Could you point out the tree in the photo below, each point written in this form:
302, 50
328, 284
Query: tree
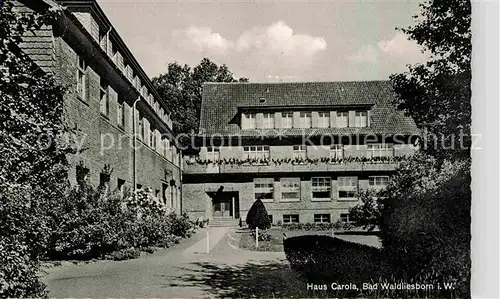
257, 216
32, 163
181, 87
437, 94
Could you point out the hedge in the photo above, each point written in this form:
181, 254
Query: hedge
322, 258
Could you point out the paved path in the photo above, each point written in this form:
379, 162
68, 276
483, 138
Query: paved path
183, 271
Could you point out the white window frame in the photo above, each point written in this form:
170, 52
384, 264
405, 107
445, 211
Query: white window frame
152, 138
104, 101
305, 119
290, 185
288, 218
299, 152
361, 119
342, 120
377, 150
258, 152
213, 153
263, 185
347, 184
346, 214
120, 113
321, 184
166, 149
286, 120
322, 218
323, 119
337, 151
248, 121
268, 120
378, 181
81, 78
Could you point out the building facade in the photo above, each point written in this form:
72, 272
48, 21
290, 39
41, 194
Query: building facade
110, 100
304, 149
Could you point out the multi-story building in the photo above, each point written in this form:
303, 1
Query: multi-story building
110, 100
304, 149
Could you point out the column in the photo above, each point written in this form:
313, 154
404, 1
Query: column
233, 206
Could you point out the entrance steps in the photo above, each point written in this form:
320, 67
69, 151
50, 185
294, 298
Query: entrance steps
224, 222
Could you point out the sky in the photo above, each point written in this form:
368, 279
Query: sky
271, 41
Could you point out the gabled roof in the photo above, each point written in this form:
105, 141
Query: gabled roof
223, 101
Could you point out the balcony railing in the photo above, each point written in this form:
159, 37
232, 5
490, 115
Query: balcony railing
200, 167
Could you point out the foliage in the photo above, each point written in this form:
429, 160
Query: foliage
257, 216
316, 226
93, 223
32, 158
426, 221
18, 262
181, 87
437, 94
263, 235
323, 259
424, 218
368, 214
123, 254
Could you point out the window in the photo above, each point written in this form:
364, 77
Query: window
157, 193
141, 127
270, 218
152, 138
322, 218
347, 188
104, 98
120, 185
305, 119
268, 121
342, 119
120, 113
291, 218
321, 187
361, 119
287, 120
290, 189
256, 152
166, 148
378, 182
144, 132
299, 152
337, 151
323, 119
263, 189
248, 121
344, 217
139, 187
81, 75
213, 153
104, 180
380, 150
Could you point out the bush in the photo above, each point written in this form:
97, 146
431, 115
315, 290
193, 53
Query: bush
263, 236
323, 259
426, 222
424, 218
317, 226
257, 216
124, 254
93, 223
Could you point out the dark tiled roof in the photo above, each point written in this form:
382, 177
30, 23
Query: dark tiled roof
221, 101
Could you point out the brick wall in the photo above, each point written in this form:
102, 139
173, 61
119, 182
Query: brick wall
55, 52
197, 203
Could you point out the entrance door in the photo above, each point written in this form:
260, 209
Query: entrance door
222, 208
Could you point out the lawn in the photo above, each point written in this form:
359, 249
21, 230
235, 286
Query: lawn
247, 241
